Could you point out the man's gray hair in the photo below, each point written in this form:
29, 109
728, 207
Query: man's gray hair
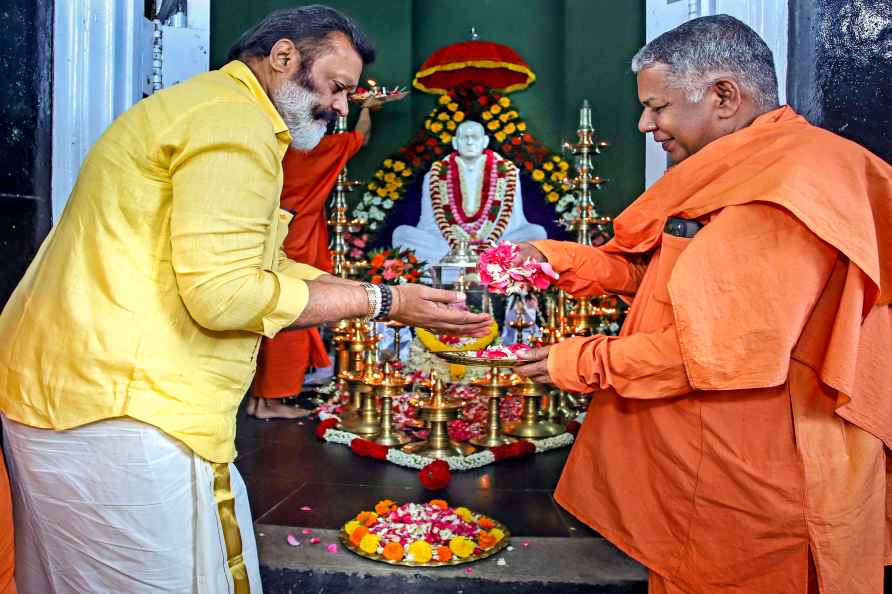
702, 50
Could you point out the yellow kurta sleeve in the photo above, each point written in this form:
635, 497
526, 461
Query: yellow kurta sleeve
586, 271
226, 183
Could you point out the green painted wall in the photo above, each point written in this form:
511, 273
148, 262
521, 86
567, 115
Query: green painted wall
577, 48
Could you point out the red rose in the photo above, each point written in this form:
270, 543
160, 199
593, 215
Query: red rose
435, 476
527, 137
324, 426
431, 142
416, 162
506, 147
438, 151
479, 89
528, 166
482, 100
419, 148
515, 140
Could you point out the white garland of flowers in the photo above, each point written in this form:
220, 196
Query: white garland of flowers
476, 460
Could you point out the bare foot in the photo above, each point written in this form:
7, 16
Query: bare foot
252, 406
271, 408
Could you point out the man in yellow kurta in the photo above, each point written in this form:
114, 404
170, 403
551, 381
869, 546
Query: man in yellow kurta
133, 336
738, 436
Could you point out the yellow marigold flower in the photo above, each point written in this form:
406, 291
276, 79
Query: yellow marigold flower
486, 115
512, 115
557, 176
462, 547
504, 102
563, 165
379, 174
369, 543
450, 125
398, 166
493, 125
504, 117
388, 162
501, 136
522, 126
421, 551
372, 185
406, 172
497, 534
548, 166
350, 526
381, 192
552, 196
547, 187
458, 116
556, 158
427, 123
390, 177
393, 195
444, 99
510, 128
436, 127
452, 106
495, 109
442, 116
445, 137
565, 187
538, 175
463, 513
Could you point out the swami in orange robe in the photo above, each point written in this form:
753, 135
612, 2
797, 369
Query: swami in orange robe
7, 546
737, 440
308, 181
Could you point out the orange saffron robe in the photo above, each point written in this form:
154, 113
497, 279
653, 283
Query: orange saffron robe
7, 546
742, 418
308, 181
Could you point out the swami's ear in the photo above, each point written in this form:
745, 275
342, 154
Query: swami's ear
727, 97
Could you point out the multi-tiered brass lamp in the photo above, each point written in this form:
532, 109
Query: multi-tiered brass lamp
438, 411
588, 221
493, 386
339, 222
392, 384
529, 426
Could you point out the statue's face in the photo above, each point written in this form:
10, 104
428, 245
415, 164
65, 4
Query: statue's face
470, 140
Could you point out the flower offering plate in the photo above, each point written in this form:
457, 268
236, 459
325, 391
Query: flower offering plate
431, 534
471, 358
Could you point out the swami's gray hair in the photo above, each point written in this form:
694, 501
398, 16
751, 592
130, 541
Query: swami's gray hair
703, 50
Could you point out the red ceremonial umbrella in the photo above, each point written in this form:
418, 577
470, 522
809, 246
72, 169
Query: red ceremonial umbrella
495, 65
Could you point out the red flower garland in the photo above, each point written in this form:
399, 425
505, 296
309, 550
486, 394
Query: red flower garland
324, 426
368, 449
435, 476
518, 449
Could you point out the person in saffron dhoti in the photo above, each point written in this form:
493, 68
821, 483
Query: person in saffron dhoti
137, 326
738, 434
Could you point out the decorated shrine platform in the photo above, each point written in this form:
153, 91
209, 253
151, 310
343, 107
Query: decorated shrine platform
297, 483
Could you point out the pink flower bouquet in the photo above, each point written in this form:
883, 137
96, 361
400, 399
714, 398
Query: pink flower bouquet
502, 351
500, 275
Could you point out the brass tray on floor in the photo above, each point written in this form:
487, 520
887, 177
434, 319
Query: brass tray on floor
463, 358
345, 541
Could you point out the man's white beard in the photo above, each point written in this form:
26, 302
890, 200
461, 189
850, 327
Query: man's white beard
295, 104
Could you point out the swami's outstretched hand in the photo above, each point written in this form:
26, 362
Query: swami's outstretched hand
436, 309
536, 364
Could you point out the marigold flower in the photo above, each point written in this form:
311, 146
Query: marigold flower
398, 165
464, 513
445, 137
493, 125
486, 523
495, 109
486, 540
504, 102
563, 165
369, 543
547, 166
389, 177
442, 116
444, 99
501, 136
436, 127
388, 162
458, 116
452, 106
510, 128
381, 192
368, 518
441, 503
421, 551
450, 125
497, 534
385, 506
486, 116
538, 175
379, 174
462, 547
552, 197
350, 526
393, 551
444, 554
358, 534
406, 173
522, 126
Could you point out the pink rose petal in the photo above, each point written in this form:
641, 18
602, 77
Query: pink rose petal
315, 540
332, 548
468, 570
292, 540
307, 531
525, 543
306, 508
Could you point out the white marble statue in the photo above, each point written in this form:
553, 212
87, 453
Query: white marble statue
472, 194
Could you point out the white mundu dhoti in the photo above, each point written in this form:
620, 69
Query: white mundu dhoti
118, 507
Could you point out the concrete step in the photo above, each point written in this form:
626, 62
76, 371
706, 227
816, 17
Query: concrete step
546, 565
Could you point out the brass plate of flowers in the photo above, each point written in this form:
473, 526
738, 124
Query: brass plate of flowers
461, 358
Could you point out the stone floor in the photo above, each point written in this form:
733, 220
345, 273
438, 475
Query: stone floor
286, 468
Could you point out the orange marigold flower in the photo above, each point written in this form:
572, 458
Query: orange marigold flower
486, 523
443, 554
385, 506
377, 279
378, 262
486, 540
357, 534
393, 551
441, 503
